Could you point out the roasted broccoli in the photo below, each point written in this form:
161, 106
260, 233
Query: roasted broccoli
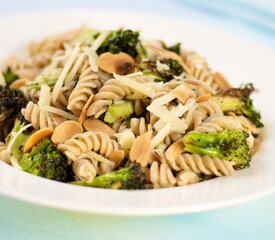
238, 100
46, 161
231, 145
119, 111
122, 41
11, 103
9, 76
175, 48
128, 177
163, 70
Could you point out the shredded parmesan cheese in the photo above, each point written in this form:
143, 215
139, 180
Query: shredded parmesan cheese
45, 96
100, 39
93, 57
168, 117
74, 70
164, 99
139, 87
60, 112
65, 71
162, 66
177, 111
161, 135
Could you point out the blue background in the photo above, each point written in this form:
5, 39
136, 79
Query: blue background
253, 220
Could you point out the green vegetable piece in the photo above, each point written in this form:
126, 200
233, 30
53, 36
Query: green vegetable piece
231, 145
16, 148
122, 41
11, 103
119, 111
238, 100
9, 76
128, 177
150, 68
175, 48
46, 161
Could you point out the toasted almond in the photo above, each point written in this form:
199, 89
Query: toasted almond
57, 119
19, 83
140, 150
174, 150
65, 131
120, 63
82, 115
97, 125
117, 156
221, 81
37, 137
203, 98
181, 95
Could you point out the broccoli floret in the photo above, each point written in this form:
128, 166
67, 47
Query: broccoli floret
46, 161
175, 48
173, 68
238, 100
231, 145
119, 111
11, 103
9, 76
128, 177
122, 41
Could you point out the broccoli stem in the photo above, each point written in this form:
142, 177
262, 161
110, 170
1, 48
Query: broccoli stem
209, 151
119, 111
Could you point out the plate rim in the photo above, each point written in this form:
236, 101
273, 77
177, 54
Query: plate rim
125, 211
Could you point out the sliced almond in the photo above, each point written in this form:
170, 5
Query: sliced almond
120, 63
140, 150
181, 95
57, 119
117, 156
37, 137
82, 115
19, 83
221, 81
97, 125
65, 131
174, 150
203, 98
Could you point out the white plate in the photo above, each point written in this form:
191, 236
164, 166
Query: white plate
239, 59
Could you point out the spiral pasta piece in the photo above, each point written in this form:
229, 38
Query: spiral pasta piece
84, 170
137, 125
111, 90
199, 69
88, 81
161, 176
88, 141
202, 164
4, 154
200, 112
86, 167
187, 177
37, 117
218, 124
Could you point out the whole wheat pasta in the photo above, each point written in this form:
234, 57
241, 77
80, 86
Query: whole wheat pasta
108, 109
